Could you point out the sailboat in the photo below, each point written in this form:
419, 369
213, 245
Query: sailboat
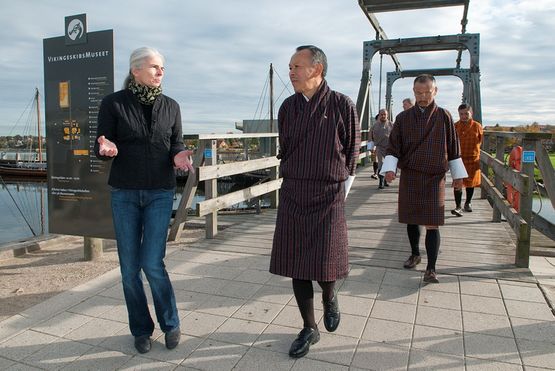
34, 166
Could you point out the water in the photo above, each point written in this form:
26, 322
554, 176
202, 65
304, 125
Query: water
23, 211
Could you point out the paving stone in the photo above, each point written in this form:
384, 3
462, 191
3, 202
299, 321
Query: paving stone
123, 342
99, 359
22, 367
333, 348
238, 331
141, 363
479, 287
175, 356
489, 365
362, 289
529, 310
491, 347
534, 329
254, 276
391, 332
447, 283
367, 274
95, 306
258, 311
399, 294
397, 277
206, 285
399, 312
438, 340
95, 331
201, 324
439, 299
439, 317
307, 364
277, 338
380, 356
274, 294
189, 300
483, 304
25, 344
351, 326
220, 305
536, 353
524, 293
13, 326
424, 360
57, 354
240, 290
488, 324
257, 359
5, 363
62, 323
355, 305
291, 317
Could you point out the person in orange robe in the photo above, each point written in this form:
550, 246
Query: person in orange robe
470, 134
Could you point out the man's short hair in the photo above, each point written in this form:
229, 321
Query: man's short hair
318, 56
465, 106
424, 78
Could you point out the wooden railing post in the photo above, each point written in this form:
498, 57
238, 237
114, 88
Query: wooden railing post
498, 181
211, 188
522, 258
274, 173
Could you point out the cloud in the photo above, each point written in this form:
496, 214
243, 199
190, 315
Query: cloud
218, 53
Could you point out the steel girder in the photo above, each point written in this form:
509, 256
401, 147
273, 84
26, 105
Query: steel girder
470, 42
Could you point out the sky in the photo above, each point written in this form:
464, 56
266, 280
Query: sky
218, 52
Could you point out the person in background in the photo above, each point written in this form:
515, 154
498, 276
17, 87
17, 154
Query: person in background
373, 156
407, 103
139, 129
319, 137
424, 145
470, 134
380, 136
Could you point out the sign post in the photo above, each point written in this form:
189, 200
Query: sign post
78, 73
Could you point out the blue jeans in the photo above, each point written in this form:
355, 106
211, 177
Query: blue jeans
141, 219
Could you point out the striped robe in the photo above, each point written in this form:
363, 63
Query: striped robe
319, 145
424, 142
470, 137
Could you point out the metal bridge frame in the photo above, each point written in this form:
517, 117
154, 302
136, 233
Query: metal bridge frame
471, 42
470, 77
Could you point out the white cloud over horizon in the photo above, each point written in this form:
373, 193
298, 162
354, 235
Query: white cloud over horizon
218, 53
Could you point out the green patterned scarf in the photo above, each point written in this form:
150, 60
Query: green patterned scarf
145, 94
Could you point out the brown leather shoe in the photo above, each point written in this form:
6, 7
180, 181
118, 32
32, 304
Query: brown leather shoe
412, 261
430, 276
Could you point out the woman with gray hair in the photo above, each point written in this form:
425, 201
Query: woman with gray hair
139, 129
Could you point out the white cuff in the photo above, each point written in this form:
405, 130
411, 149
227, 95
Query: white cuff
458, 171
389, 164
370, 146
348, 183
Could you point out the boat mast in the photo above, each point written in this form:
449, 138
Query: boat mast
271, 98
38, 123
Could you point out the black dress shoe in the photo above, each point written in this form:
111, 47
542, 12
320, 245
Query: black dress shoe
172, 338
304, 340
331, 314
142, 343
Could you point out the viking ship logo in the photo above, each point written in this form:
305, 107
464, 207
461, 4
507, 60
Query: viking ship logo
75, 29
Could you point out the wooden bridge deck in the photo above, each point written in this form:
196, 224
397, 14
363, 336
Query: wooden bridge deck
470, 245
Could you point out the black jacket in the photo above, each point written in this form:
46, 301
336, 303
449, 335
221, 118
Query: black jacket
145, 150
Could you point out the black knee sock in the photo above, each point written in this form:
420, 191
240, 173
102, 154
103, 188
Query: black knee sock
432, 247
413, 231
304, 294
375, 167
381, 177
469, 194
328, 290
458, 197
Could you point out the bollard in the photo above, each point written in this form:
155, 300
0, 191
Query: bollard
93, 248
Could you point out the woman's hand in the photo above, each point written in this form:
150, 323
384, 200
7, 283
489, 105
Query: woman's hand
107, 148
183, 161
